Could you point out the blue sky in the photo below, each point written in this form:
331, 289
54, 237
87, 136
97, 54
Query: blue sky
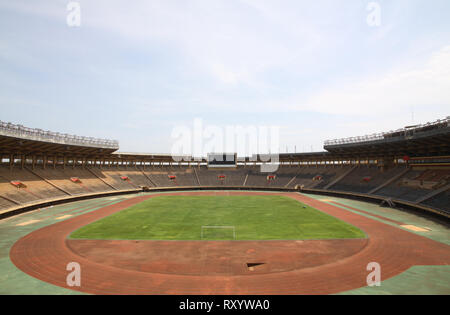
134, 70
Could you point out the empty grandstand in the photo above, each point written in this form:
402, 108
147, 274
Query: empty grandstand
410, 166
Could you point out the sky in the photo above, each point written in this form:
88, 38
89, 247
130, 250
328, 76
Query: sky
135, 71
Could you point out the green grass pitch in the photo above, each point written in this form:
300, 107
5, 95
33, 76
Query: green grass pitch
253, 217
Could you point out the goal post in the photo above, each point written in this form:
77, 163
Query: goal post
216, 232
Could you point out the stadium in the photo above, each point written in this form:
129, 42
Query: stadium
224, 155
317, 223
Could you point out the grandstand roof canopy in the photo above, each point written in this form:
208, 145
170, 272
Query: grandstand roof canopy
19, 146
17, 139
421, 140
417, 141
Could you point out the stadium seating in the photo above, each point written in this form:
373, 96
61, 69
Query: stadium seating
398, 183
233, 177
112, 178
160, 176
316, 176
400, 190
440, 201
364, 178
62, 178
36, 188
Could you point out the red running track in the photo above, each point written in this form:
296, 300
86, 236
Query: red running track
45, 253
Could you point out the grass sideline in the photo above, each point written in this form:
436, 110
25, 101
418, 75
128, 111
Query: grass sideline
254, 218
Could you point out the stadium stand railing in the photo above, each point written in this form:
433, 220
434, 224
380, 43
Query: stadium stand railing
19, 131
403, 132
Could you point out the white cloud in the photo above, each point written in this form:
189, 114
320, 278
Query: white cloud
421, 87
232, 41
240, 57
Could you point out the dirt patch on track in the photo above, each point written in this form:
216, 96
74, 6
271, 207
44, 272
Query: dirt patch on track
209, 258
45, 253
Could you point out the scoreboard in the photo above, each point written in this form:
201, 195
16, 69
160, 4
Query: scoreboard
219, 160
